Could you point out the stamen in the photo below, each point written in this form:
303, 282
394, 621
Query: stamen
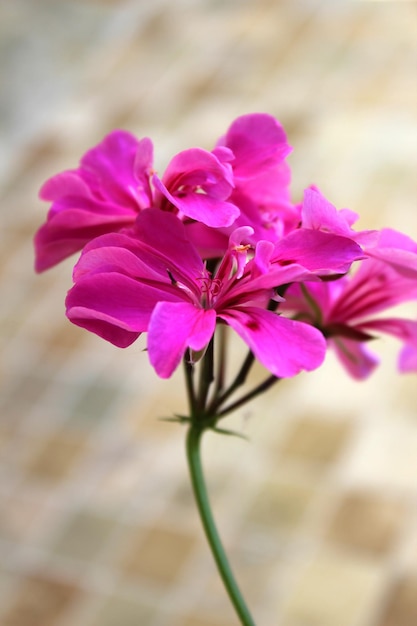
172, 279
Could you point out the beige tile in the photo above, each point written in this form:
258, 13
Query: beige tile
23, 515
157, 554
280, 504
315, 440
368, 522
57, 457
384, 456
119, 611
196, 620
401, 609
41, 602
84, 536
333, 590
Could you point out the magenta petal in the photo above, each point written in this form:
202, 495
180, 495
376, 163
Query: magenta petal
115, 307
66, 232
403, 329
108, 168
355, 356
199, 168
65, 184
319, 252
397, 250
319, 214
173, 328
201, 207
283, 346
258, 142
407, 361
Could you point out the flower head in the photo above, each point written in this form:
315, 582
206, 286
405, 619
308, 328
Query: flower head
348, 310
114, 183
156, 282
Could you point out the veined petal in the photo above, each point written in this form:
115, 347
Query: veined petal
64, 184
201, 207
258, 142
68, 231
403, 329
174, 327
102, 195
109, 167
319, 252
115, 307
397, 250
355, 356
283, 346
319, 214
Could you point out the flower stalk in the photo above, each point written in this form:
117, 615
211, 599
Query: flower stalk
193, 447
202, 419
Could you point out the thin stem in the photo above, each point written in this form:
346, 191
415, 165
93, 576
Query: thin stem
266, 384
238, 381
203, 504
206, 375
189, 382
221, 360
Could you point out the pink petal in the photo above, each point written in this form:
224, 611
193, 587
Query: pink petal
403, 329
283, 346
68, 231
164, 236
201, 206
407, 361
109, 166
319, 214
397, 250
114, 306
323, 253
258, 142
64, 184
173, 328
357, 360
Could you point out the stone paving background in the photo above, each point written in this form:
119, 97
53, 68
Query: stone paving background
319, 509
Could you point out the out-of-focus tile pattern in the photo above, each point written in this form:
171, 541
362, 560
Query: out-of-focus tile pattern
319, 509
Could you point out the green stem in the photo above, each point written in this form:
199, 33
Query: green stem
238, 381
206, 376
266, 384
189, 382
200, 493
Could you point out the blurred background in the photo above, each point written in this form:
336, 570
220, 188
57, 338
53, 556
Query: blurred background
318, 510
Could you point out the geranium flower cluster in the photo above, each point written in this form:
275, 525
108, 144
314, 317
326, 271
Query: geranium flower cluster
216, 240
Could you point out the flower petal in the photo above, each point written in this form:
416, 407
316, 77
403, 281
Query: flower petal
355, 356
407, 361
319, 214
200, 206
397, 250
173, 328
323, 253
258, 142
283, 346
115, 307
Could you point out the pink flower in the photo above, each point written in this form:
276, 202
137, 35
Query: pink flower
198, 184
347, 311
261, 175
113, 184
156, 282
318, 213
396, 249
102, 195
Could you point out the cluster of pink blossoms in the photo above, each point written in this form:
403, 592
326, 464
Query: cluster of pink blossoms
217, 240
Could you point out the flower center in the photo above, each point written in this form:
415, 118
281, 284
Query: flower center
210, 289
